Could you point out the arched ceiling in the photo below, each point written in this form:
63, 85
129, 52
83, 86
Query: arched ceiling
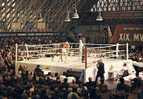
54, 12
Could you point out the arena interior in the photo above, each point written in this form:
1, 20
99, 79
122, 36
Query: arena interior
71, 49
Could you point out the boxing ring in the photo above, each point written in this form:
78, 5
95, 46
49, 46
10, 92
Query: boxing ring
75, 56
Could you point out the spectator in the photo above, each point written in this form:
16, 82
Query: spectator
104, 92
133, 94
124, 70
38, 72
122, 89
73, 94
140, 96
136, 82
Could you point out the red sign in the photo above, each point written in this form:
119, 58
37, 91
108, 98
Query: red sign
126, 14
128, 33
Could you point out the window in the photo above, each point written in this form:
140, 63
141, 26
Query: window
117, 5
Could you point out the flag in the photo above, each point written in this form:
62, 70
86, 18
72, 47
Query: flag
109, 31
109, 34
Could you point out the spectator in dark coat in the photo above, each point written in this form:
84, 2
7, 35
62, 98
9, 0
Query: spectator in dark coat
100, 72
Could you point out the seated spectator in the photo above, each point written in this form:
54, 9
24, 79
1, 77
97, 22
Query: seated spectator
133, 94
136, 82
91, 89
90, 83
65, 84
140, 95
121, 86
73, 94
38, 72
104, 92
124, 70
122, 89
84, 92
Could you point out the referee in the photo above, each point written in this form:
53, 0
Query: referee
100, 72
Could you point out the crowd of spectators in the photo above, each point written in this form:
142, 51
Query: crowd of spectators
50, 86
136, 53
137, 56
27, 85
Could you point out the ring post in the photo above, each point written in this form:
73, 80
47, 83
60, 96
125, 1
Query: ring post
117, 50
127, 51
16, 47
27, 52
85, 52
85, 60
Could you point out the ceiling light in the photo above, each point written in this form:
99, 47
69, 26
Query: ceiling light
75, 16
67, 19
99, 17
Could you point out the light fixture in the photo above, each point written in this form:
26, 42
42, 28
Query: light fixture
99, 17
75, 16
97, 8
67, 19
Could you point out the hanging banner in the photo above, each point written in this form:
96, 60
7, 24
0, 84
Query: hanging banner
128, 33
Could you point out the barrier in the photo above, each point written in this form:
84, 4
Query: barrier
82, 51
